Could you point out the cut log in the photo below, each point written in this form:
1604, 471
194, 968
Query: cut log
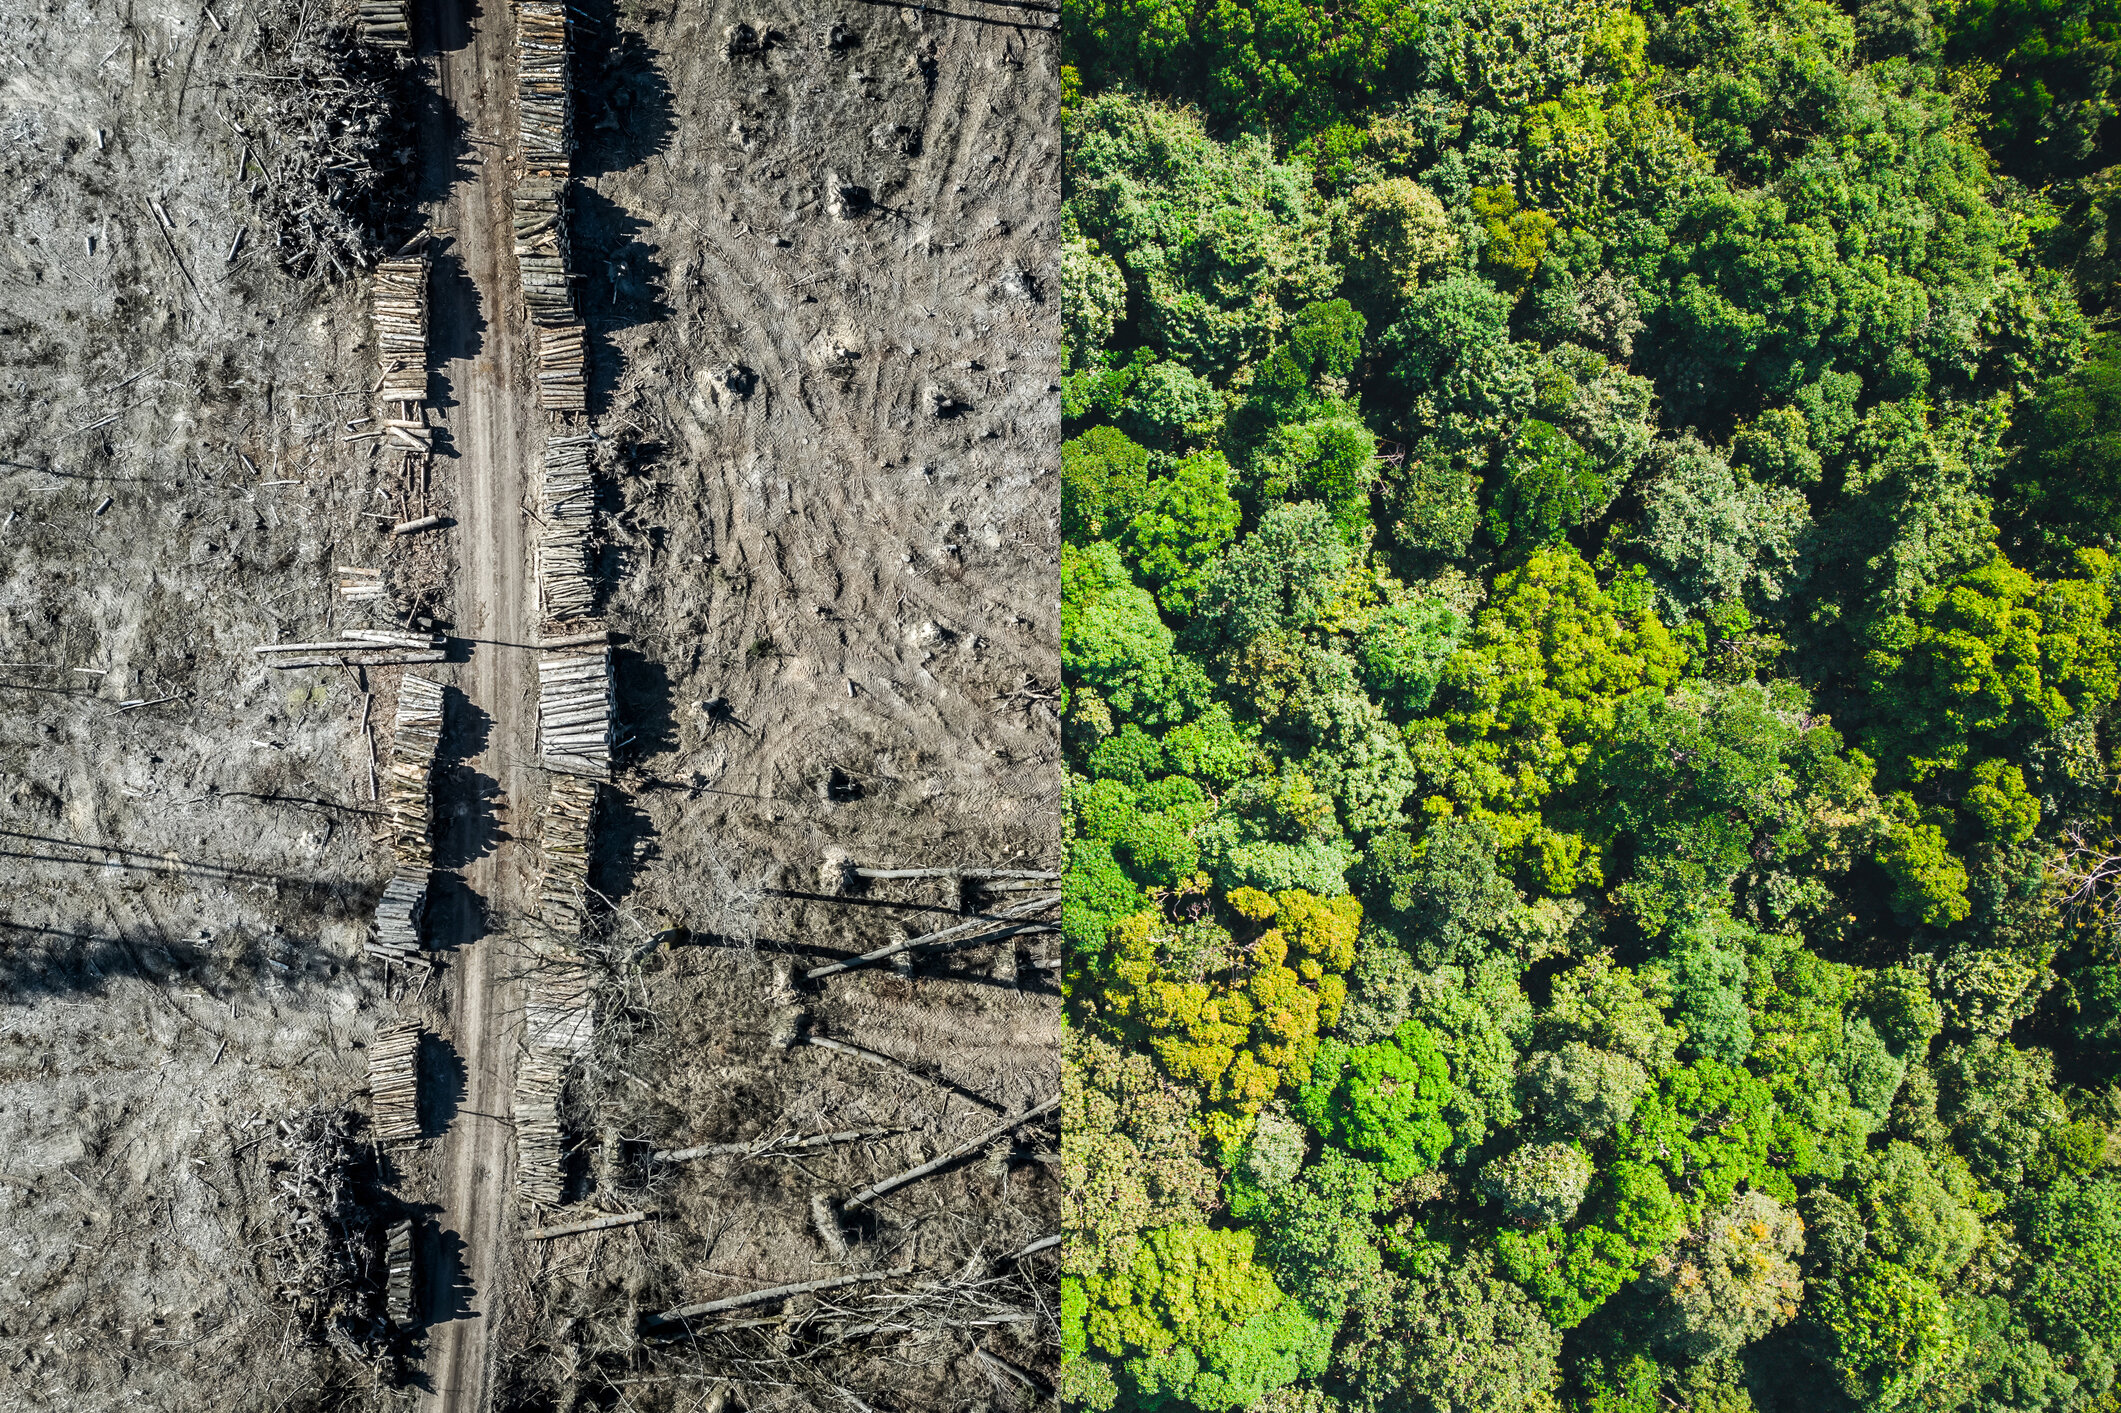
623, 1219
1002, 915
958, 1154
778, 1292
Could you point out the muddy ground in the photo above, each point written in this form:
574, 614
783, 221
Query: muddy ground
821, 292
821, 244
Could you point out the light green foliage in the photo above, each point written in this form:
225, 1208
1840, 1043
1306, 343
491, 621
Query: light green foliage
1920, 1213
1583, 1092
1987, 989
1481, 1021
1516, 238
1889, 1330
1185, 1285
1713, 536
1929, 881
1708, 979
1113, 641
1997, 1103
1607, 1006
1392, 234
1451, 359
1992, 657
1330, 459
1403, 645
1537, 1183
1461, 1337
1104, 479
1219, 243
1730, 1279
1093, 298
1384, 1101
1998, 800
1129, 1155
1281, 577
1528, 699
1185, 518
1900, 1006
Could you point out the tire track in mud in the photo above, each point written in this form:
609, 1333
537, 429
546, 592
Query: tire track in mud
489, 422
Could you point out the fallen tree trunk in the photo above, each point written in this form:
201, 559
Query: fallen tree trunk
772, 1145
778, 1292
958, 1154
623, 1219
1010, 913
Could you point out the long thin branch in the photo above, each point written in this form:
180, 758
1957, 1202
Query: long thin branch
765, 1147
1008, 914
777, 1292
962, 1151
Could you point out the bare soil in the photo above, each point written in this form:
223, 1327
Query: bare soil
825, 322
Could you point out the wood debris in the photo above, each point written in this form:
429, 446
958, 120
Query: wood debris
562, 557
563, 368
576, 712
409, 792
398, 1275
394, 1084
359, 584
400, 315
387, 24
559, 1008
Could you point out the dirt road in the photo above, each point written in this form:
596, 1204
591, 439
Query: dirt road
492, 428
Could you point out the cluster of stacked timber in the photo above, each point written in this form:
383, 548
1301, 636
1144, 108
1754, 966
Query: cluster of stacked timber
355, 647
394, 1084
563, 890
559, 1011
358, 584
401, 329
545, 131
410, 785
540, 218
567, 508
545, 105
397, 1274
387, 24
563, 368
576, 711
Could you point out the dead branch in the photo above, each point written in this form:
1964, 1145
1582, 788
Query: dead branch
1008, 914
958, 1154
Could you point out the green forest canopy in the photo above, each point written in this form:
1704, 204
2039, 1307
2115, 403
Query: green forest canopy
1592, 648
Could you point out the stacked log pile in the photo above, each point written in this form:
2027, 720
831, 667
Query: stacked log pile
559, 1012
358, 584
545, 133
401, 330
545, 106
563, 889
563, 368
397, 1275
541, 1159
394, 1084
387, 24
567, 508
540, 219
575, 712
398, 916
410, 784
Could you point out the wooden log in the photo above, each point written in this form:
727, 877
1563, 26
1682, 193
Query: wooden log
414, 527
778, 1292
1002, 915
952, 873
956, 1155
623, 1219
805, 1141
